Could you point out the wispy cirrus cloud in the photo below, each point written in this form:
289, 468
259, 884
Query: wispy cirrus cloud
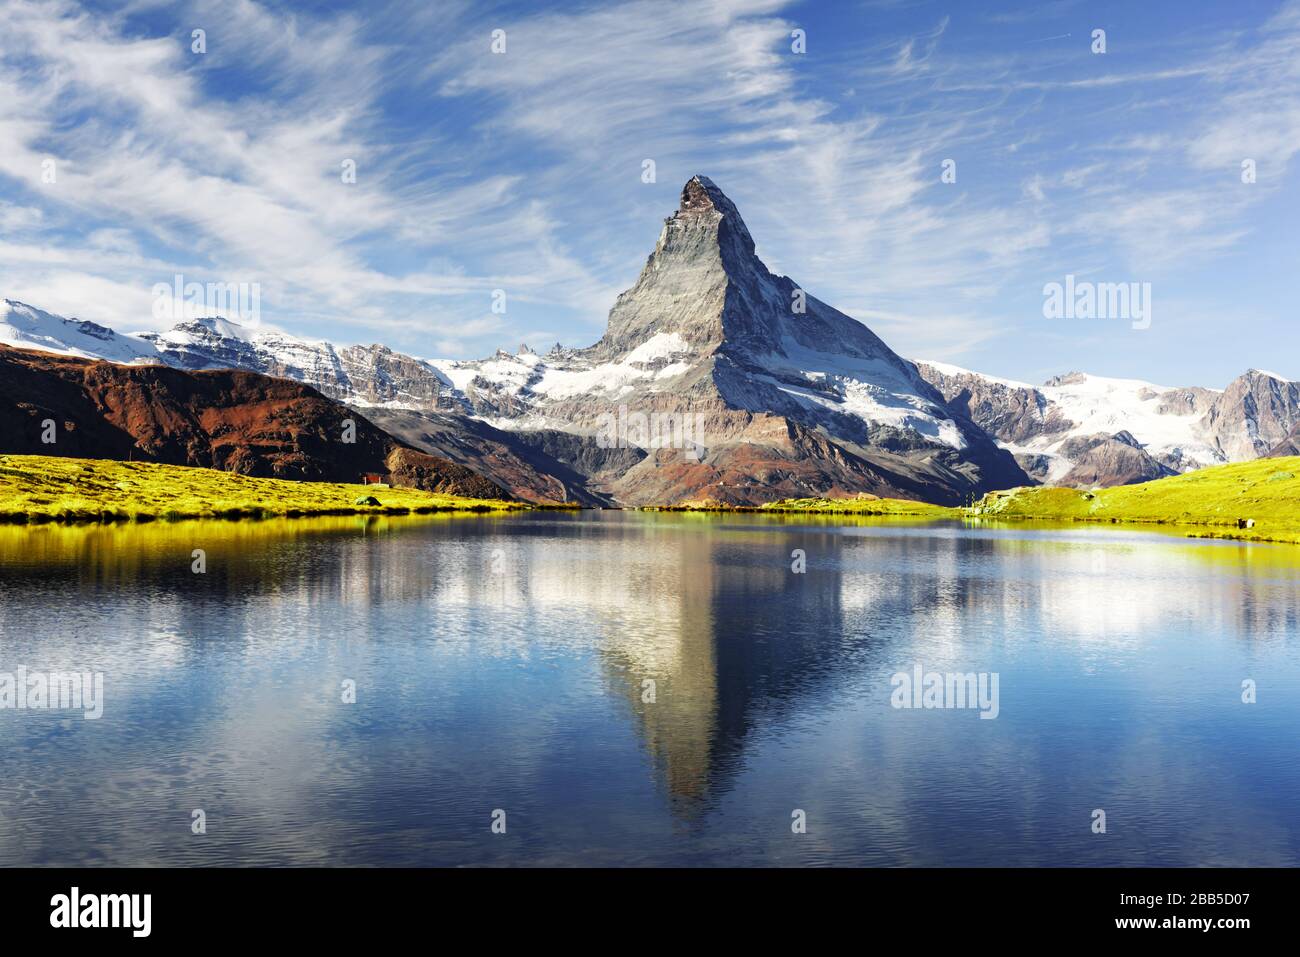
222, 186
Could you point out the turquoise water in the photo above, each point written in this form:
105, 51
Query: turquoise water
501, 664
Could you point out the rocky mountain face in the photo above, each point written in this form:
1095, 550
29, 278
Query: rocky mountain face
227, 419
1256, 412
1105, 460
1014, 413
1056, 430
784, 395
536, 466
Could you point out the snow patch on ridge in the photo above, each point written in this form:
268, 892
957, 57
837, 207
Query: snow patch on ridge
663, 345
952, 370
1271, 375
873, 390
530, 375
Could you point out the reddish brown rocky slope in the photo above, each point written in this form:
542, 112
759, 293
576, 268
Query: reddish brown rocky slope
225, 419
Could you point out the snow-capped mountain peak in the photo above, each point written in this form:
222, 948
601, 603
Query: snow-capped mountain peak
1267, 374
208, 327
27, 327
707, 329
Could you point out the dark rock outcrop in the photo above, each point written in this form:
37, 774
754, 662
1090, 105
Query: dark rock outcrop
228, 419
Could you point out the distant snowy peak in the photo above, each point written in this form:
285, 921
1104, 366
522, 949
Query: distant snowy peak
26, 327
1180, 428
947, 369
208, 329
1162, 419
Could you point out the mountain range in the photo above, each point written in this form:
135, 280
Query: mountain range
1083, 430
763, 392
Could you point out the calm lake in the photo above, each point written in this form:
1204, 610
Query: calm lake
641, 688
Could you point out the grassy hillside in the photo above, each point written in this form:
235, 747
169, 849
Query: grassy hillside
36, 488
1257, 500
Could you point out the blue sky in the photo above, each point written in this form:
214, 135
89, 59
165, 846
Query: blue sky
522, 171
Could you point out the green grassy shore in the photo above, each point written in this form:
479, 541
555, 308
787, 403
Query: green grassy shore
1254, 501
1251, 501
43, 488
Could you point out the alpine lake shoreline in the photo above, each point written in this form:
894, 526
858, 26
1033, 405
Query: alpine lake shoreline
1257, 501
39, 489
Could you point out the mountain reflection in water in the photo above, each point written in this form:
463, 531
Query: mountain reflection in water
647, 688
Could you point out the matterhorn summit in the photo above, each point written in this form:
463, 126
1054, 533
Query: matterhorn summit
795, 398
